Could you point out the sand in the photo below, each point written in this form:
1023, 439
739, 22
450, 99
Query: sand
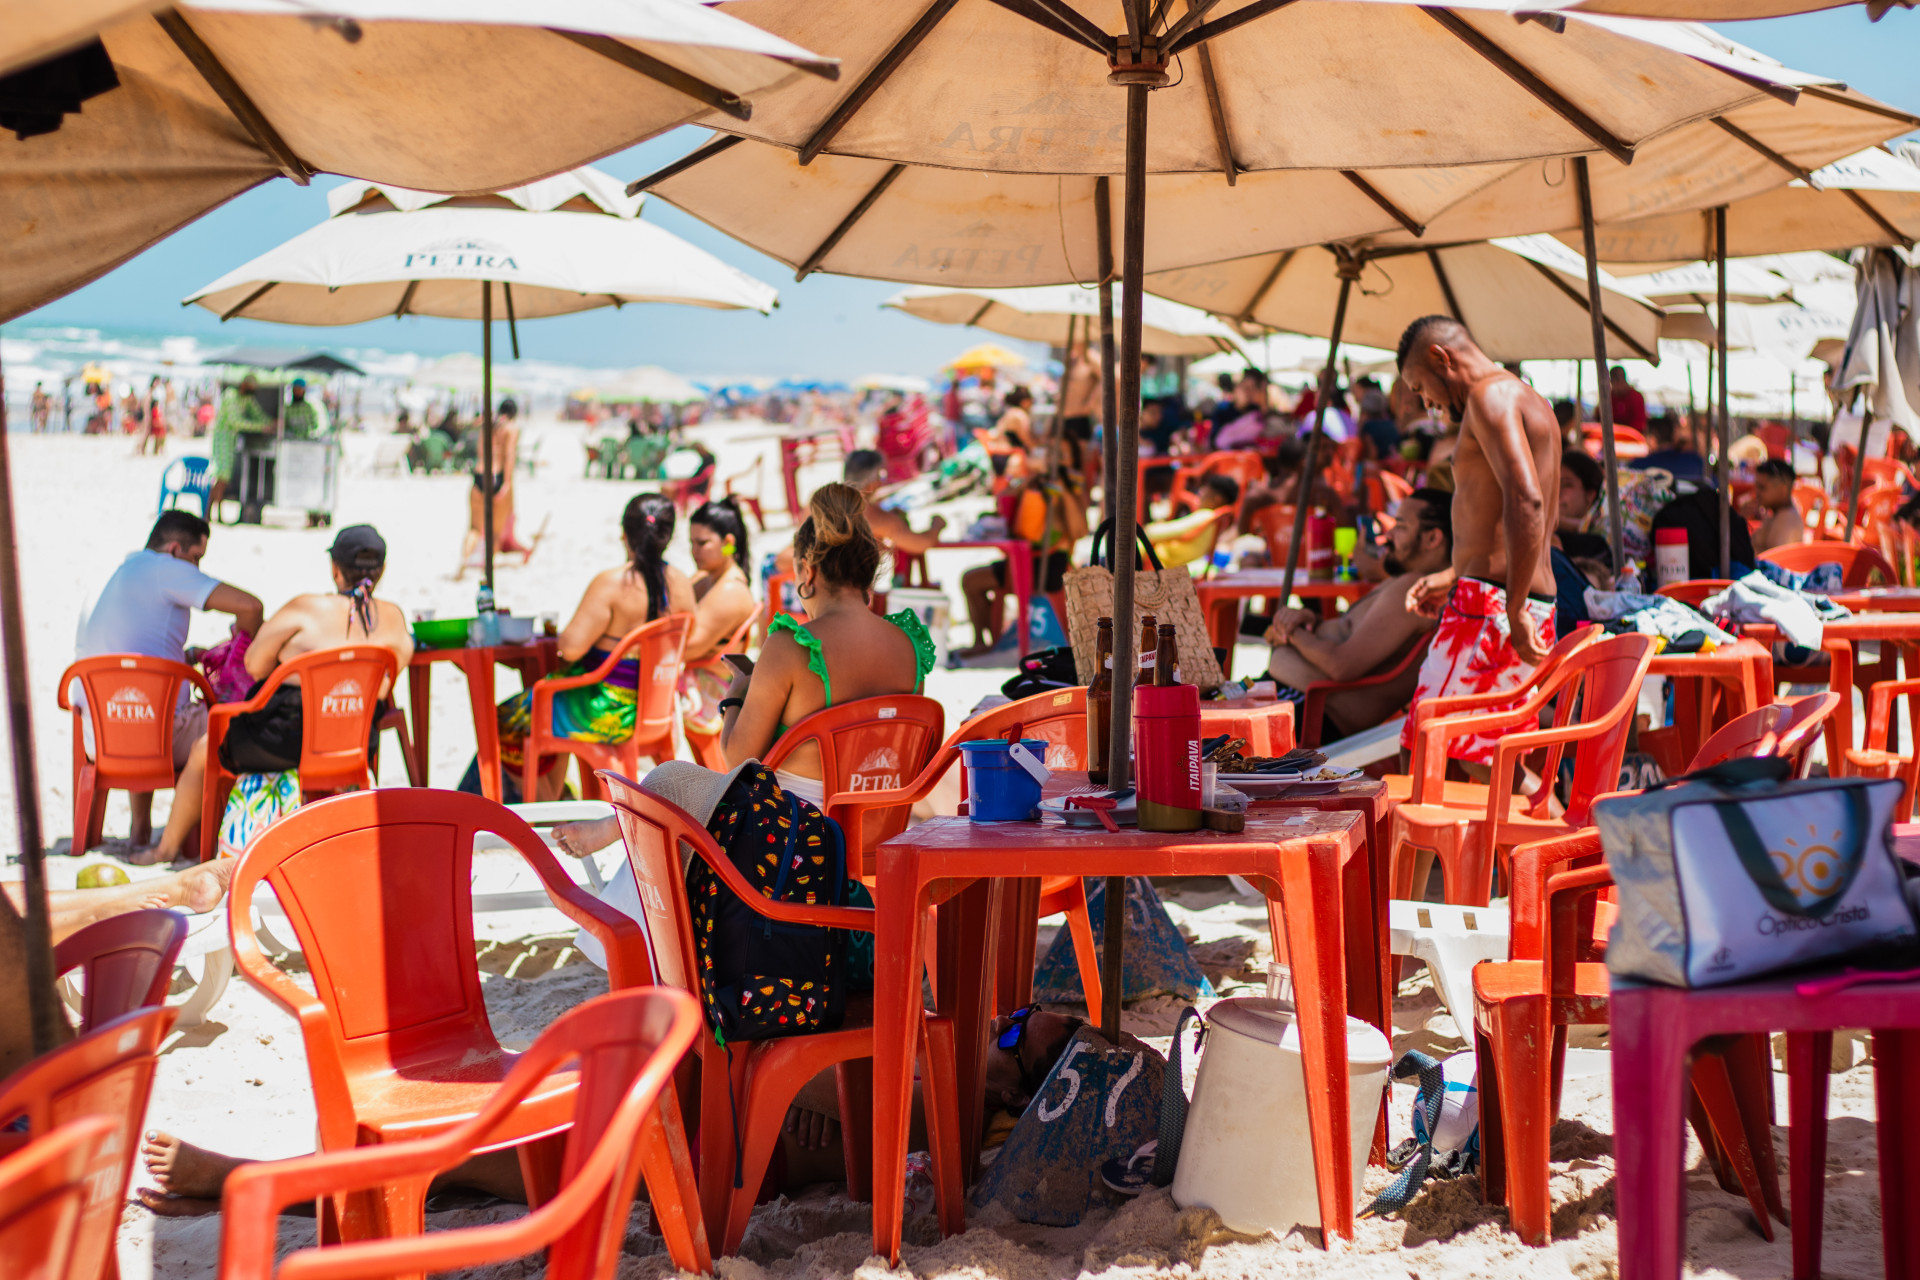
239, 1083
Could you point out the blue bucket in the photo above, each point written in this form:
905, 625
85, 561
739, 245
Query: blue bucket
998, 789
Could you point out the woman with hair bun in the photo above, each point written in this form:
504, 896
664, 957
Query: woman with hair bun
644, 589
842, 652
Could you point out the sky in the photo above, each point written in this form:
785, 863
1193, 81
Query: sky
825, 327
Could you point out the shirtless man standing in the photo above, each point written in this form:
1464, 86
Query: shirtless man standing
1497, 620
1080, 396
269, 739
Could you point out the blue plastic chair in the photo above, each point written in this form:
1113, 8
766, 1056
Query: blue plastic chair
196, 483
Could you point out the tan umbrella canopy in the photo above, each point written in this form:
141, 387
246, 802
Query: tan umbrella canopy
1871, 198
1523, 299
939, 226
213, 99
1270, 84
1696, 283
1054, 313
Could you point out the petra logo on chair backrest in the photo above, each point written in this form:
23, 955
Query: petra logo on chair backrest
879, 771
129, 705
346, 698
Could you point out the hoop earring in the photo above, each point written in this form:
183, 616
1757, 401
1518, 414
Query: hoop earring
805, 590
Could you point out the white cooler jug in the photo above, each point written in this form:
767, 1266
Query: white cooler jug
1248, 1152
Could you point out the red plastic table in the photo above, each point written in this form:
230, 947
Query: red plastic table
1295, 855
1880, 600
1019, 554
1838, 640
1266, 724
1220, 597
1742, 671
532, 660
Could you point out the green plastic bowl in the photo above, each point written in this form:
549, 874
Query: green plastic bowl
441, 633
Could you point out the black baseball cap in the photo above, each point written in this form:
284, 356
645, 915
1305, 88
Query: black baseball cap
359, 546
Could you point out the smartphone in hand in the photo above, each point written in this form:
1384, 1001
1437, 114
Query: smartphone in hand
739, 662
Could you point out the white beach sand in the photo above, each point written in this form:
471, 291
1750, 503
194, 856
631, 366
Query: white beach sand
239, 1084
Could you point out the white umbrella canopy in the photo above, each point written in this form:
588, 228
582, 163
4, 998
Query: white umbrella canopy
375, 260
954, 227
644, 384
215, 98
1522, 299
1868, 198
1052, 313
1307, 84
1698, 283
1726, 10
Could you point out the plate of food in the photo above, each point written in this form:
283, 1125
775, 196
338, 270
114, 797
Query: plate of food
1320, 781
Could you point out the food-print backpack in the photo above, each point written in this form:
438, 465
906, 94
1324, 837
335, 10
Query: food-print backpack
761, 978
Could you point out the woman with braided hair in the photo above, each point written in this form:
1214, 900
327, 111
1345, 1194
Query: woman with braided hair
263, 747
644, 589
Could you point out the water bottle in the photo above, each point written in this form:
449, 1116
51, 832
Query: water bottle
486, 622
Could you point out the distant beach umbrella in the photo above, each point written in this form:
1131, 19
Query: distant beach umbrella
1053, 314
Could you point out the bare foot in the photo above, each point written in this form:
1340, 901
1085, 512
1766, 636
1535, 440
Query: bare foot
147, 857
201, 887
184, 1170
582, 839
166, 1206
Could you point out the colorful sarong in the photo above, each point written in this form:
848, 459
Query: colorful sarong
258, 800
1472, 652
602, 712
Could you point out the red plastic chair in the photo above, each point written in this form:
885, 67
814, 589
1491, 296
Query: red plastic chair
130, 700
377, 887
1857, 564
1787, 728
108, 1072
706, 746
661, 645
125, 963
624, 1048
1404, 788
1557, 978
747, 1088
1313, 710
691, 492
870, 749
1874, 760
1628, 442
1244, 465
1694, 590
1604, 678
339, 694
44, 1189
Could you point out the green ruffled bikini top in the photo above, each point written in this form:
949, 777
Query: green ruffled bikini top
907, 620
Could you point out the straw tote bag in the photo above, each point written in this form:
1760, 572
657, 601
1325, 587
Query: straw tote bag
1167, 594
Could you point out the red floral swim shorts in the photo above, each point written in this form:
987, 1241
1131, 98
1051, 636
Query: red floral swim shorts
1472, 652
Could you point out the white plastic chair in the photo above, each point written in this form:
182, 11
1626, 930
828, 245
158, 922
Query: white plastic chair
1451, 940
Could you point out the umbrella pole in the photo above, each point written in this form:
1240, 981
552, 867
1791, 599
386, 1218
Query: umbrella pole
1109, 392
1602, 398
486, 429
1126, 467
1349, 272
37, 936
1726, 421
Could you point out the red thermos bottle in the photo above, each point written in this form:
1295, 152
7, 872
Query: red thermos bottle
1167, 748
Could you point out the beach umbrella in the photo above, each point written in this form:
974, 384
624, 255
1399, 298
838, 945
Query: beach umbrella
1881, 361
571, 243
1527, 298
987, 355
1269, 84
1697, 283
182, 108
648, 384
1054, 313
1728, 10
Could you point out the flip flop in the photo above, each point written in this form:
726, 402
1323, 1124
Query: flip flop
1133, 1175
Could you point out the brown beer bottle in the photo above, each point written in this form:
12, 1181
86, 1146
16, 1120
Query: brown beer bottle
1100, 704
1166, 659
1149, 643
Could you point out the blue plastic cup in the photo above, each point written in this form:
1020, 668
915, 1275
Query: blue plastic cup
998, 789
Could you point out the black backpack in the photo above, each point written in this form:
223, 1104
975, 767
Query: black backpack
1699, 514
760, 978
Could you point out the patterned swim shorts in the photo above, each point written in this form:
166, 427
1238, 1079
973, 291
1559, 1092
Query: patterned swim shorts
1472, 652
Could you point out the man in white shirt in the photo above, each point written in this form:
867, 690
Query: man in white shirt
146, 607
